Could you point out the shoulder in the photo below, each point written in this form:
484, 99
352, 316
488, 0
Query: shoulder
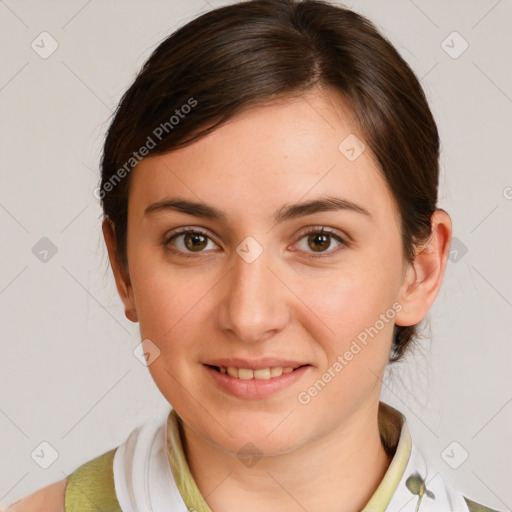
89, 487
48, 499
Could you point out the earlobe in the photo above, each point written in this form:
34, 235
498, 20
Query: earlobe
424, 276
122, 278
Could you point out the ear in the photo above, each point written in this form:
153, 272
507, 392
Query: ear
424, 276
123, 284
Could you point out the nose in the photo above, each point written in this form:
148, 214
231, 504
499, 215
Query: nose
255, 300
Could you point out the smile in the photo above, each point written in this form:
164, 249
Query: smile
255, 383
249, 373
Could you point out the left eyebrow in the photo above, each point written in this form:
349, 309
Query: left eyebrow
284, 213
327, 204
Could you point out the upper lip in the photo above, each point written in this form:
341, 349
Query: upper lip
255, 364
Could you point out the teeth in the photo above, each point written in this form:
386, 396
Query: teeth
245, 373
233, 372
276, 372
260, 374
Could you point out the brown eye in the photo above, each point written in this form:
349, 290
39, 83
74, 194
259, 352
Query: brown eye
195, 241
189, 240
319, 241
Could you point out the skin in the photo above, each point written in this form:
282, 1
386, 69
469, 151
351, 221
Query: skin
326, 455
47, 499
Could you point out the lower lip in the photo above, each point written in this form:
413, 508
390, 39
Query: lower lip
256, 388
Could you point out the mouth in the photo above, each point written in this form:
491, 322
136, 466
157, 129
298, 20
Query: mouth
254, 379
269, 373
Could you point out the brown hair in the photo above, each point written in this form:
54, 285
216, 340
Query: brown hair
239, 56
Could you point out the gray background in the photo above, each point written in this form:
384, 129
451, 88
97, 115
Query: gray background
68, 373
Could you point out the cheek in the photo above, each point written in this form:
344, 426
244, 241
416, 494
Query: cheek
170, 310
348, 300
166, 299
351, 325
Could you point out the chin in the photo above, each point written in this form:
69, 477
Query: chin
258, 445
273, 435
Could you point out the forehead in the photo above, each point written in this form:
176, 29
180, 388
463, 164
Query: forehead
290, 150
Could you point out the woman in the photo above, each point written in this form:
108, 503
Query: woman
269, 184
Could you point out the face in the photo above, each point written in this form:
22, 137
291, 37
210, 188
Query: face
259, 286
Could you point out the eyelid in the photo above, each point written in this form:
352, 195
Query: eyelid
323, 229
188, 229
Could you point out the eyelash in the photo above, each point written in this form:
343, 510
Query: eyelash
316, 230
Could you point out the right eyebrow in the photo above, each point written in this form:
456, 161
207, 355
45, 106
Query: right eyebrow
188, 207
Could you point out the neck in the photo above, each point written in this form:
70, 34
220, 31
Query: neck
337, 472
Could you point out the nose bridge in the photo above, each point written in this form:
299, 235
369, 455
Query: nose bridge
254, 304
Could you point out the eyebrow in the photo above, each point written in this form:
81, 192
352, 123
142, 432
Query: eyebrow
286, 212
